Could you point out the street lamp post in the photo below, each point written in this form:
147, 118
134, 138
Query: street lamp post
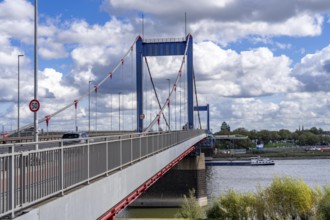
169, 111
110, 112
96, 109
119, 111
18, 131
36, 138
89, 106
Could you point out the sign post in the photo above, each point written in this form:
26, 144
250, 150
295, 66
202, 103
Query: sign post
34, 105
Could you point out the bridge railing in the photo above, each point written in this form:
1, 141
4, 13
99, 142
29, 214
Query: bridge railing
33, 172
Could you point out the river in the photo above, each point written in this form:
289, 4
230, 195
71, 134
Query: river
247, 178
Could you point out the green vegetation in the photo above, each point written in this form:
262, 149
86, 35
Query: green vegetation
232, 205
281, 138
323, 209
190, 208
284, 198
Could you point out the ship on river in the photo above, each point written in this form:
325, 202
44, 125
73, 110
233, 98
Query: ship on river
254, 161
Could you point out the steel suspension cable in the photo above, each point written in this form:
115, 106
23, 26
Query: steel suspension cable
173, 88
132, 97
185, 119
199, 119
154, 88
175, 103
86, 94
180, 100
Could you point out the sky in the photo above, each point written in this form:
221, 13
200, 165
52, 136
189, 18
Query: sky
258, 64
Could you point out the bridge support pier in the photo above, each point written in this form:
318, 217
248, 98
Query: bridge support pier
169, 190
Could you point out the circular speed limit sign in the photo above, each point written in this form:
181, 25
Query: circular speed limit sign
34, 105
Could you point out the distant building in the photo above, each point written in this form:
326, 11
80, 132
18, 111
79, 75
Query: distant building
260, 146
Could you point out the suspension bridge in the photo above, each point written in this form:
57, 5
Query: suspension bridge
99, 176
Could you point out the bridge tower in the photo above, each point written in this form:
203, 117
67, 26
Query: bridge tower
207, 109
164, 47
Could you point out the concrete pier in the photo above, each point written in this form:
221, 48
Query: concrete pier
169, 191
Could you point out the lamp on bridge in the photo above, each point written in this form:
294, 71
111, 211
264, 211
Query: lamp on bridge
18, 131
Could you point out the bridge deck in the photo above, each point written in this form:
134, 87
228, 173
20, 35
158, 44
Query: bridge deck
30, 177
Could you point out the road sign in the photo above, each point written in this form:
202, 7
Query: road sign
34, 105
142, 116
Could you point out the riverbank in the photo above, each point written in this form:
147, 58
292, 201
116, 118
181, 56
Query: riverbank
280, 155
149, 218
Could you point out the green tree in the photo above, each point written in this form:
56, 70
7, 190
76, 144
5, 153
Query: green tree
190, 208
274, 136
215, 211
285, 134
324, 140
289, 198
320, 131
314, 130
295, 136
241, 131
259, 204
308, 138
323, 209
232, 205
302, 139
247, 143
265, 136
253, 135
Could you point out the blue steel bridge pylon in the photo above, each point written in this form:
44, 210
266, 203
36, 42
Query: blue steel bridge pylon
164, 47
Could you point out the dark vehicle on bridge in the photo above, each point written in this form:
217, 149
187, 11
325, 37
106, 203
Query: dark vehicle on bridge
75, 138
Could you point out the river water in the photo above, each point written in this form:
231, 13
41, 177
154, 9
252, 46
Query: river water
247, 178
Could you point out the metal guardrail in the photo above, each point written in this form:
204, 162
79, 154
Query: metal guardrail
55, 136
29, 176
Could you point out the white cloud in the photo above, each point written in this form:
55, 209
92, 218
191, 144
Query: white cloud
95, 35
164, 8
226, 32
226, 22
8, 56
96, 55
16, 19
293, 110
256, 73
18, 9
51, 82
52, 50
314, 70
251, 73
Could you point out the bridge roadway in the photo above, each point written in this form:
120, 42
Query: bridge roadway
85, 180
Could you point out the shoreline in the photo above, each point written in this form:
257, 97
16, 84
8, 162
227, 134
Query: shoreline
275, 156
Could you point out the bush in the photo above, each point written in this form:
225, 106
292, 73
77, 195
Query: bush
288, 198
323, 209
285, 198
215, 211
190, 208
232, 205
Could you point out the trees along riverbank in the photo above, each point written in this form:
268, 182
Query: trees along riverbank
284, 198
283, 137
